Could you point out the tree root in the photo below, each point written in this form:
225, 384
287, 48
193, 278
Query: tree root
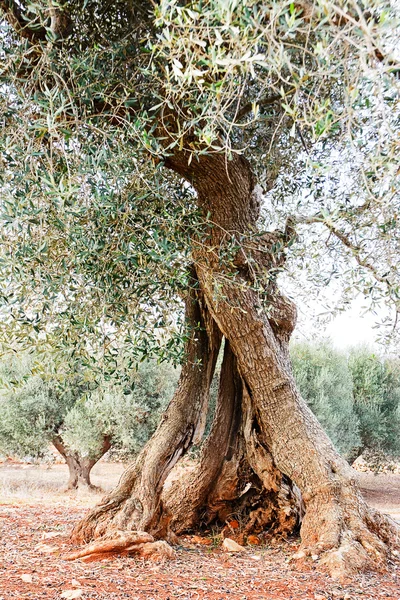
135, 503
347, 535
236, 476
139, 543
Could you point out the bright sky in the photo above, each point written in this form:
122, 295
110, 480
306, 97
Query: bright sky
350, 328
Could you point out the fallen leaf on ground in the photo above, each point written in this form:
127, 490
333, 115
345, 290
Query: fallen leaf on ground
46, 548
196, 539
253, 540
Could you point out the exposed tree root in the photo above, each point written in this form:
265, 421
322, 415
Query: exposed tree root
236, 476
346, 534
135, 503
139, 543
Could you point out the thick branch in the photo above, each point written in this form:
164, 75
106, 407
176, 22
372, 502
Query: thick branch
20, 23
262, 103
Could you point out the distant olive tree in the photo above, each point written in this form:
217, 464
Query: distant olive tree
81, 416
355, 395
376, 390
323, 376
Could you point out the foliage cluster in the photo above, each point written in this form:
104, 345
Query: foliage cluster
38, 404
355, 396
96, 233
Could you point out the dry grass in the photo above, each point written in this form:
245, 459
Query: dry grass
35, 484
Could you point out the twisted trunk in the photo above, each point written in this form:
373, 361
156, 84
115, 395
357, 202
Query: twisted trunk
80, 467
236, 476
135, 503
337, 524
264, 434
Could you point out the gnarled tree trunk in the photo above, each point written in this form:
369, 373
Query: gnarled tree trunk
337, 523
236, 476
135, 503
269, 436
80, 467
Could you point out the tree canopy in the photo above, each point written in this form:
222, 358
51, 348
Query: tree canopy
97, 236
43, 403
355, 395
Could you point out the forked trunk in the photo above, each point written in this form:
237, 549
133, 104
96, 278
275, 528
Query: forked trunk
79, 467
236, 477
79, 472
269, 437
338, 525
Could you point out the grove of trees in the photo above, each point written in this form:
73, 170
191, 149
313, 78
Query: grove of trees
355, 396
165, 167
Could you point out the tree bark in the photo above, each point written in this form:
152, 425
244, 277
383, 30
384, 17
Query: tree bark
135, 503
236, 477
78, 466
337, 524
270, 436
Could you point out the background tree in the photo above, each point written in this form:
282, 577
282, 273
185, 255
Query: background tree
376, 389
82, 418
325, 382
107, 108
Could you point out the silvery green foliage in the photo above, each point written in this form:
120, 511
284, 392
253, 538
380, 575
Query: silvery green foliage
376, 390
32, 407
128, 416
96, 235
27, 419
355, 395
324, 380
38, 401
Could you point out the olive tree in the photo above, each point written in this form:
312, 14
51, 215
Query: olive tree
139, 138
81, 417
325, 382
376, 383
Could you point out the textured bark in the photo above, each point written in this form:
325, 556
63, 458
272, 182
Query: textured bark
186, 500
270, 438
337, 523
78, 466
236, 476
135, 503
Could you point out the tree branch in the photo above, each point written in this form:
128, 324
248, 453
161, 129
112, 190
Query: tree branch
247, 108
355, 249
21, 25
28, 28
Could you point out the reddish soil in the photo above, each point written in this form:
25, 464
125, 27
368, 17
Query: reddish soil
35, 536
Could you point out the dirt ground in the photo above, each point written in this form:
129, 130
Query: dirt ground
36, 519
